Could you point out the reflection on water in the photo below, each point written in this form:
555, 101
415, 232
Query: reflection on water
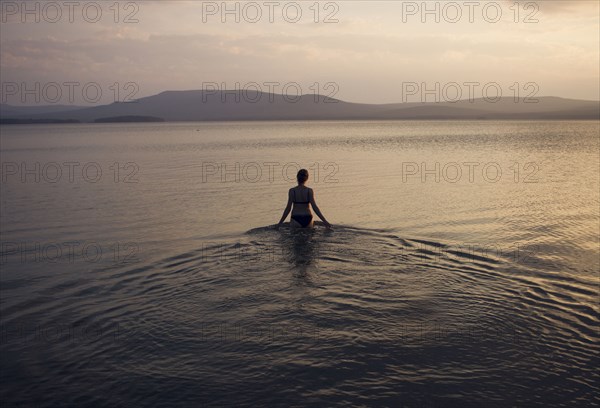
425, 294
302, 245
395, 318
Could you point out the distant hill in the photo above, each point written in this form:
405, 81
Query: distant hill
251, 105
129, 119
20, 111
9, 121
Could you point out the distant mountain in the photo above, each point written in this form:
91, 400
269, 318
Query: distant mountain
9, 121
252, 105
22, 111
129, 119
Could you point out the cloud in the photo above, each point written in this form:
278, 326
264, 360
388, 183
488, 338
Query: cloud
559, 6
168, 50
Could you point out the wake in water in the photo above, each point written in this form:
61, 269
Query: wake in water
367, 246
384, 314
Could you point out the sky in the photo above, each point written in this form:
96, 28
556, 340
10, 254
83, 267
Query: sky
358, 51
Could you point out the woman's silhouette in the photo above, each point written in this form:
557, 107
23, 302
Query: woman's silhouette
301, 196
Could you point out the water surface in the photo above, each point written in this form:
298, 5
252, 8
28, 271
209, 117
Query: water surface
462, 271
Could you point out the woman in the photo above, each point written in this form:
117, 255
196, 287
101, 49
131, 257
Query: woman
301, 196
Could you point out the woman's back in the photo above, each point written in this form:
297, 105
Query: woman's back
300, 196
300, 201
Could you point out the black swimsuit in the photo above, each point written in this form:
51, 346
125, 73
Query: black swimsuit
303, 220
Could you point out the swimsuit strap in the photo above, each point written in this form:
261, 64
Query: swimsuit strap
301, 202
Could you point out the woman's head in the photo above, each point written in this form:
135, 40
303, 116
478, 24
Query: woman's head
302, 176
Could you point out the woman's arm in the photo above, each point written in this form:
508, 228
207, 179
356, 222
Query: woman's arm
317, 211
288, 207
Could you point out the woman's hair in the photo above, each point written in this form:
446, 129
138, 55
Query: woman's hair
302, 176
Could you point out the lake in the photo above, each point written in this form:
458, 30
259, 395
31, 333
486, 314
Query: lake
140, 266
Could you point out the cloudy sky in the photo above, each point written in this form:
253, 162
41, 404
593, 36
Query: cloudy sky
358, 51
